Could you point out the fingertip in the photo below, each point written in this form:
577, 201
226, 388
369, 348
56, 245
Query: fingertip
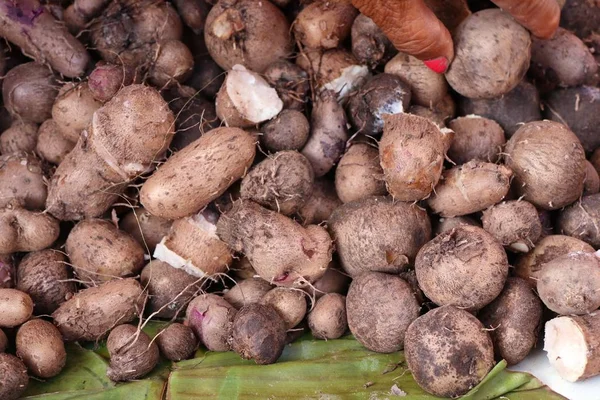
438, 65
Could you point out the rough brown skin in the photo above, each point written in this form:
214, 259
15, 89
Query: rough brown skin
147, 229
411, 153
3, 341
8, 271
591, 184
24, 231
289, 303
235, 32
28, 91
320, 205
204, 170
16, 306
447, 224
428, 88
580, 16
579, 109
177, 342
370, 46
22, 136
92, 313
288, 131
78, 14
280, 250
100, 252
328, 135
132, 353
13, 377
106, 79
258, 334
44, 275
510, 111
465, 267
291, 82
282, 182
40, 346
431, 114
324, 24
73, 110
547, 249
489, 44
248, 291
380, 95
170, 289
514, 321
364, 241
22, 181
211, 319
448, 351
515, 223
328, 320
380, 308
172, 65
51, 144
548, 162
124, 138
193, 13
475, 138
334, 281
358, 174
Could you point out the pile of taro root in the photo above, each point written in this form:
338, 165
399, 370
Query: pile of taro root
252, 170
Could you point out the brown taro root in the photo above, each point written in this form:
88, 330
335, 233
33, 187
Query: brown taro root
28, 91
51, 144
513, 109
78, 14
13, 377
328, 320
3, 341
211, 319
24, 231
22, 181
359, 174
321, 204
8, 272
45, 276
123, 140
170, 289
475, 138
465, 267
514, 321
282, 182
528, 266
492, 54
573, 346
132, 353
73, 110
568, 285
591, 185
380, 95
334, 281
235, 31
328, 135
595, 159
192, 244
516, 224
370, 46
16, 308
448, 351
288, 131
289, 303
580, 220
380, 308
411, 153
146, 228
580, 16
106, 79
291, 82
258, 334
100, 252
177, 342
439, 113
365, 242
548, 162
447, 224
324, 24
22, 136
248, 291
204, 170
173, 64
92, 313
281, 251
40, 346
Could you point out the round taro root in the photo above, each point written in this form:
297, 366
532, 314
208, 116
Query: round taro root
321, 204
475, 138
211, 319
177, 342
147, 229
248, 291
569, 284
448, 351
380, 307
324, 24
258, 333
516, 224
22, 180
447, 224
492, 54
289, 131
548, 163
173, 63
22, 136
13, 377
514, 321
73, 109
591, 185
16, 307
580, 220
51, 144
290, 81
547, 249
132, 353
40, 346
465, 267
365, 242
370, 46
328, 320
289, 303
334, 281
358, 174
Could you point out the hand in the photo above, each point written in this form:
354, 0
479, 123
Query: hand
414, 29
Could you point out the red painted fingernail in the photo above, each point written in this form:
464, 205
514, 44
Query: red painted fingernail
438, 65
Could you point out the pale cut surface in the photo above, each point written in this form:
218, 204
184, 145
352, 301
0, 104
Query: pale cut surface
252, 96
567, 348
350, 79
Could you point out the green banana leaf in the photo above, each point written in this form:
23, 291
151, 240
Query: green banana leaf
308, 369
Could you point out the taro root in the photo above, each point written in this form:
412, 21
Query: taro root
172, 64
248, 291
211, 319
16, 307
73, 109
475, 138
580, 16
147, 229
132, 353
447, 224
288, 131
40, 346
328, 320
516, 224
291, 82
580, 220
177, 342
51, 145
289, 303
324, 24
323, 201
334, 281
370, 46
3, 341
591, 185
359, 174
22, 136
13, 377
